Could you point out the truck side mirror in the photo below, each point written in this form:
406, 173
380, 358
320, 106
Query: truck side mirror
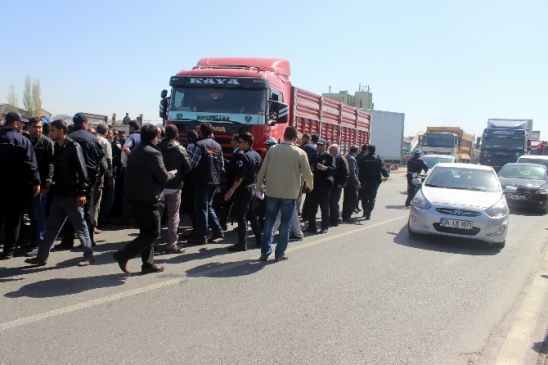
163, 94
163, 104
278, 113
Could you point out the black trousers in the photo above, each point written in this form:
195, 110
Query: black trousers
369, 194
350, 201
320, 196
244, 206
147, 218
411, 189
334, 211
11, 212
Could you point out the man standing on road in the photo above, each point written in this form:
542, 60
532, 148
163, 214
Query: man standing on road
20, 178
175, 159
340, 177
372, 172
145, 182
71, 191
207, 161
93, 156
43, 149
243, 189
284, 166
126, 119
323, 168
352, 186
414, 166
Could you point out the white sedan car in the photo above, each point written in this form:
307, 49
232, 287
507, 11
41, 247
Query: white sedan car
461, 200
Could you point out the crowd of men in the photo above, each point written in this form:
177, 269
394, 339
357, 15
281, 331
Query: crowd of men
71, 180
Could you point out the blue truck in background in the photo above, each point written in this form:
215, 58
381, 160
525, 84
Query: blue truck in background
504, 141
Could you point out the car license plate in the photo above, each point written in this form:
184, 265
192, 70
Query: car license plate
516, 197
455, 223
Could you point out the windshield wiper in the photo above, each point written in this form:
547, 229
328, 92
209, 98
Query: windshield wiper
432, 185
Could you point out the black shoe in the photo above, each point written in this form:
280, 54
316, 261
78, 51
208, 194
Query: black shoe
197, 241
63, 247
149, 269
334, 224
237, 248
349, 220
35, 261
323, 230
368, 217
6, 256
122, 262
311, 229
293, 237
216, 236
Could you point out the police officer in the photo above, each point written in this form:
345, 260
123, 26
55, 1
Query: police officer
243, 189
414, 166
323, 168
371, 173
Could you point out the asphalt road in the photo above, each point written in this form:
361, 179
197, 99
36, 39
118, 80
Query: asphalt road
364, 293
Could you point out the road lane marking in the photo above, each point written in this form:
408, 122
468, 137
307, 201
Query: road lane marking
145, 289
518, 341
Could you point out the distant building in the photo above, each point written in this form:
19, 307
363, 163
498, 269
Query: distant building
6, 108
363, 98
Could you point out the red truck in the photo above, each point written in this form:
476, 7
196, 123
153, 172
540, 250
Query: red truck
237, 94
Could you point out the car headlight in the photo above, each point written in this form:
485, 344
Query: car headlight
542, 191
498, 210
420, 202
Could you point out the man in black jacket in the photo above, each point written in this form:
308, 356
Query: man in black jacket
175, 159
20, 176
93, 156
206, 160
340, 177
371, 172
145, 180
71, 189
323, 168
43, 149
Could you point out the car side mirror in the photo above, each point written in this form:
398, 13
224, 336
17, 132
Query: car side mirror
416, 181
510, 189
278, 113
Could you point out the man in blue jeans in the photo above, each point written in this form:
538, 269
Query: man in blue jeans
43, 149
71, 188
283, 167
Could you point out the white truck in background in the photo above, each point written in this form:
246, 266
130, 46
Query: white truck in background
387, 135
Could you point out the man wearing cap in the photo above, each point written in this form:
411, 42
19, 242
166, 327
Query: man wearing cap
414, 166
93, 156
323, 168
20, 178
371, 172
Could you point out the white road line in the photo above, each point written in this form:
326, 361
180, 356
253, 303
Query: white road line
145, 289
518, 341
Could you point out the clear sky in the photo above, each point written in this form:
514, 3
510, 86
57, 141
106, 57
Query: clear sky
442, 63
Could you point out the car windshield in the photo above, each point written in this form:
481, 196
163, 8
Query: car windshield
529, 172
438, 140
463, 179
533, 160
432, 161
218, 104
509, 143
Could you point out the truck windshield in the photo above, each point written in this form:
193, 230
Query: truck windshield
505, 143
438, 140
218, 105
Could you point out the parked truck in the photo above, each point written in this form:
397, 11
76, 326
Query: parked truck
504, 141
387, 135
448, 141
256, 95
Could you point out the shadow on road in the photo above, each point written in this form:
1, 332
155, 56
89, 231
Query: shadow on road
229, 269
61, 287
444, 244
399, 207
526, 212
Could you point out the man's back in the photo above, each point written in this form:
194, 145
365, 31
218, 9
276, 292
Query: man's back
146, 175
282, 169
18, 163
